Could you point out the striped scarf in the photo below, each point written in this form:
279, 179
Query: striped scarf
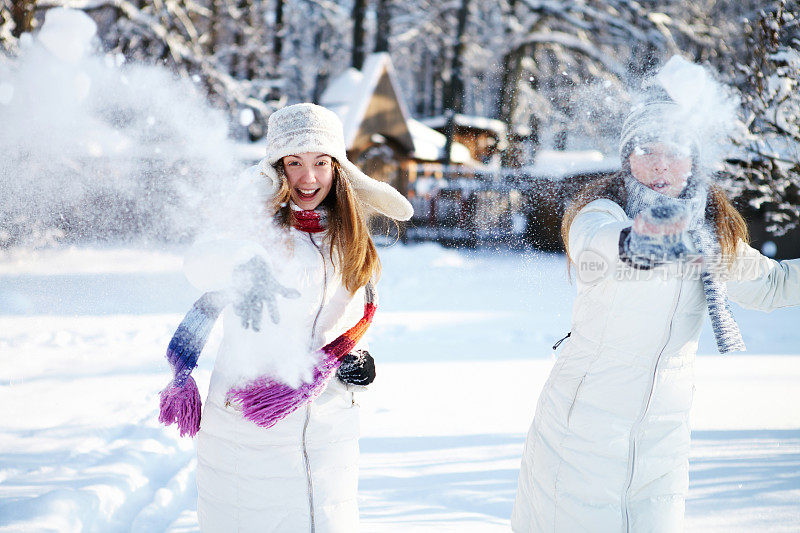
265, 400
704, 238
180, 400
726, 330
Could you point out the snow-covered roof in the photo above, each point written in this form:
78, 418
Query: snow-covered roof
349, 94
482, 123
429, 144
557, 164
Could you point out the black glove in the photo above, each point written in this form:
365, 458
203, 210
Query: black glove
357, 368
255, 285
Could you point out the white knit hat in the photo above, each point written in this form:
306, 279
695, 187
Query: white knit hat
301, 128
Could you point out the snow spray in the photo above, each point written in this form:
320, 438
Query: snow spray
95, 148
703, 111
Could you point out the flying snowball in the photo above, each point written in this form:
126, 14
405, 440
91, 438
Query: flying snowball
246, 117
67, 34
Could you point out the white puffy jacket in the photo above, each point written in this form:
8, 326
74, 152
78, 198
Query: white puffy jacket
609, 445
301, 474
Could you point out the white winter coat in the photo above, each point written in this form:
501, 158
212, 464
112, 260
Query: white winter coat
609, 445
301, 474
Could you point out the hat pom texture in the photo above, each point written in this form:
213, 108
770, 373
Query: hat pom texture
684, 101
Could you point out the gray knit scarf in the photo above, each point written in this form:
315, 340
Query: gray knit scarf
704, 238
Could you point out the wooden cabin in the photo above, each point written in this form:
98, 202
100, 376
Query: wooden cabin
380, 135
382, 138
485, 138
550, 183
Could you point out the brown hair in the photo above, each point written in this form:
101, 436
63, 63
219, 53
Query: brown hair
720, 212
351, 246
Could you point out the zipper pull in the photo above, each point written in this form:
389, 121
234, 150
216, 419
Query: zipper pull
558, 343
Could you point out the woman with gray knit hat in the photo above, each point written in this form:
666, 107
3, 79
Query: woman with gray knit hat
657, 248
277, 443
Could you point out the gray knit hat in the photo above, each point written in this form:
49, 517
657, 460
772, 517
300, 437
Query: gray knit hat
655, 117
301, 128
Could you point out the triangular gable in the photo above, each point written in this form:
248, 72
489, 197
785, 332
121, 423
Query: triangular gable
368, 102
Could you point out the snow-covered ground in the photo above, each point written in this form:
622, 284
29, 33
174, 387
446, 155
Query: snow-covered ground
462, 340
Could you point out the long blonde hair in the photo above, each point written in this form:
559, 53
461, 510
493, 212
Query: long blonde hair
729, 224
351, 246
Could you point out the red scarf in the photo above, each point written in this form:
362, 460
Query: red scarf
309, 221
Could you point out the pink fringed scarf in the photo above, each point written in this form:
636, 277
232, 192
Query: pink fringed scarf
265, 401
180, 401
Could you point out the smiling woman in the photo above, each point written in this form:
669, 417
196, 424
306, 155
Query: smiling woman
310, 176
277, 446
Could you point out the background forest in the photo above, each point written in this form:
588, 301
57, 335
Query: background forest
555, 72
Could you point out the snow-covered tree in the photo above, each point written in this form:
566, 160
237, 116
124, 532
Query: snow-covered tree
16, 18
767, 168
224, 44
317, 46
562, 68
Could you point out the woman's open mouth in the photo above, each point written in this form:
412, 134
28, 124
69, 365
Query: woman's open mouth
659, 185
306, 194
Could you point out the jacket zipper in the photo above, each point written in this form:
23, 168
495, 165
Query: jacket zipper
575, 399
309, 479
646, 405
308, 470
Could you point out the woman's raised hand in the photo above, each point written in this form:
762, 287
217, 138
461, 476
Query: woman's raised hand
658, 235
661, 220
255, 285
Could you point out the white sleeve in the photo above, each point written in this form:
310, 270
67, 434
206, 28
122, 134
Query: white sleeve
758, 282
596, 228
347, 314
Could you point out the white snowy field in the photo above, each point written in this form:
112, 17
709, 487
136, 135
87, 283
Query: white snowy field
462, 341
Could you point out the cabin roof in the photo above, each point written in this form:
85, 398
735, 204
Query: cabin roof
351, 93
471, 121
558, 164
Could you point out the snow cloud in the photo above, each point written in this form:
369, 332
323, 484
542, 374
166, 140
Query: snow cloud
95, 148
706, 110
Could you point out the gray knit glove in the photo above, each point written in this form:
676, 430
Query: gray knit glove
254, 285
658, 235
